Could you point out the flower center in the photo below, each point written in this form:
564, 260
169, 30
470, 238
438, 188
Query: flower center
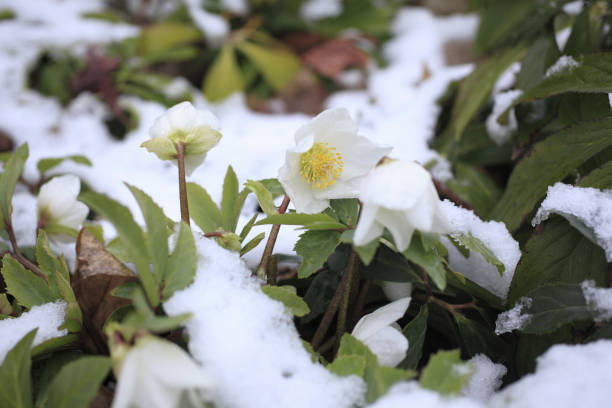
321, 165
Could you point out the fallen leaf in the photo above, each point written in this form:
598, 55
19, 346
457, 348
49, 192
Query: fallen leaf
334, 56
304, 94
98, 272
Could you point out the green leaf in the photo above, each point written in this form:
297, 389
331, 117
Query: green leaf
474, 187
315, 247
592, 74
248, 227
15, 380
500, 20
428, 258
445, 373
273, 186
553, 306
541, 55
48, 263
390, 266
347, 210
27, 288
366, 253
223, 78
157, 240
348, 365
478, 339
203, 209
266, 201
230, 201
45, 165
600, 178
162, 36
76, 385
415, 332
277, 65
309, 221
252, 243
74, 316
287, 297
319, 293
476, 88
552, 159
182, 264
131, 235
12, 170
472, 243
54, 344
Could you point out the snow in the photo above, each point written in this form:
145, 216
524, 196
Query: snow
214, 27
573, 8
486, 379
256, 358
498, 132
319, 9
495, 236
514, 318
591, 206
47, 318
507, 79
410, 394
599, 300
562, 36
566, 376
565, 63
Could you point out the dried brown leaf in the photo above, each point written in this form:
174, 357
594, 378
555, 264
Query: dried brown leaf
334, 56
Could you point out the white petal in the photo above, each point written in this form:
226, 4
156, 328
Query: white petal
340, 189
332, 121
75, 215
58, 194
389, 345
397, 290
192, 162
182, 116
367, 226
161, 127
381, 317
399, 225
359, 154
207, 118
300, 192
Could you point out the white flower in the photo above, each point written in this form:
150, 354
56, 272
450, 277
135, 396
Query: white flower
58, 205
382, 335
198, 130
400, 196
328, 162
155, 373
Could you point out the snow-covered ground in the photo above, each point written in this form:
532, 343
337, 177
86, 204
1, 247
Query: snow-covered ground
396, 109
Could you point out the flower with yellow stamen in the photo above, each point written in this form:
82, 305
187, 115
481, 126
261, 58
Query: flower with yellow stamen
329, 161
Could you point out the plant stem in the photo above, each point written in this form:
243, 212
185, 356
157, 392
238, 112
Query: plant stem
351, 271
360, 302
20, 258
180, 159
265, 258
329, 312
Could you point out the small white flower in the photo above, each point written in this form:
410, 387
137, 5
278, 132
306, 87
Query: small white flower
155, 373
382, 335
198, 130
58, 205
329, 161
400, 196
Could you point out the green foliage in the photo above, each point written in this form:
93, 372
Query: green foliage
415, 332
472, 243
12, 170
264, 196
309, 221
29, 289
426, 255
15, 379
315, 247
446, 373
167, 35
203, 209
286, 295
182, 263
45, 165
223, 77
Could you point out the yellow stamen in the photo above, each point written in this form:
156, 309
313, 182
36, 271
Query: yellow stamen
321, 165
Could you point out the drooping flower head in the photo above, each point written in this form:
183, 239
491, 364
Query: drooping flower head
399, 195
58, 206
382, 335
329, 161
197, 129
155, 373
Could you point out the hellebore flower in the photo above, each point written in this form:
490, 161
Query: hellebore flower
329, 161
198, 130
382, 335
58, 206
155, 374
400, 196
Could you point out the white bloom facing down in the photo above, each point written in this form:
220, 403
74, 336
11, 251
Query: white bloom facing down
197, 129
329, 161
58, 205
155, 373
382, 335
400, 196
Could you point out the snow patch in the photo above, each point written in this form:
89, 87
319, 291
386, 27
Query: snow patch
498, 132
599, 300
487, 378
565, 63
514, 318
313, 10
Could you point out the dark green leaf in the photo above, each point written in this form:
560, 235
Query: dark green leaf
315, 247
541, 55
11, 172
287, 297
319, 293
478, 339
132, 238
54, 344
445, 373
157, 240
390, 266
76, 384
552, 159
427, 258
203, 209
182, 263
15, 380
500, 20
45, 165
415, 332
600, 178
474, 187
27, 288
